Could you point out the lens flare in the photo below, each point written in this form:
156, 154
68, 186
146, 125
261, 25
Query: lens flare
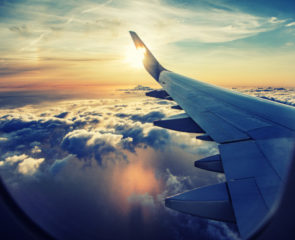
135, 57
136, 178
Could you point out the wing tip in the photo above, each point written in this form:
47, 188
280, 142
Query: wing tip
150, 63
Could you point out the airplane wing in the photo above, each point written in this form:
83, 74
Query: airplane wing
256, 140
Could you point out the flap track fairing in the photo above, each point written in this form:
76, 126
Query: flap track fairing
179, 122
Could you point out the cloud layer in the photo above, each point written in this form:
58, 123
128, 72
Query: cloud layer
85, 168
100, 169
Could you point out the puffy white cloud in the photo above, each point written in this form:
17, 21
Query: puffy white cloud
36, 149
97, 137
29, 165
15, 159
23, 163
91, 144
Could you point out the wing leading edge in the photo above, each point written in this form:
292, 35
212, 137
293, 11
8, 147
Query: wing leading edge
256, 142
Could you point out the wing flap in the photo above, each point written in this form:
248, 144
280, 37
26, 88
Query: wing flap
249, 206
251, 177
210, 202
218, 129
243, 160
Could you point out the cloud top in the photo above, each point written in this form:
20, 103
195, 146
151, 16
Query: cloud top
101, 160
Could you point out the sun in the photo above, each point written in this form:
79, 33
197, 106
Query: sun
135, 56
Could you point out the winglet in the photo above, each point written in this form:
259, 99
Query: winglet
149, 61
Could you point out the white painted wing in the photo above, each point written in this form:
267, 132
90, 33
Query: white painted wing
256, 142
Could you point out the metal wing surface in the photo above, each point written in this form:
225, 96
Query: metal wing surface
256, 142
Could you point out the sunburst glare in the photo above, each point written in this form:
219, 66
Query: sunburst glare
135, 56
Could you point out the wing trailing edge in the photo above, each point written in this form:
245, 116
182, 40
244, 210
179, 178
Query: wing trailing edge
211, 202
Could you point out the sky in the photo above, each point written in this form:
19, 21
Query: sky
84, 47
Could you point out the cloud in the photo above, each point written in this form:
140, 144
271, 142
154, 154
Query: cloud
136, 89
291, 24
32, 46
62, 115
59, 164
280, 95
36, 149
204, 25
3, 139
88, 145
15, 70
289, 44
176, 184
23, 163
15, 159
97, 7
275, 20
107, 156
149, 117
22, 30
145, 200
80, 59
168, 22
29, 165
